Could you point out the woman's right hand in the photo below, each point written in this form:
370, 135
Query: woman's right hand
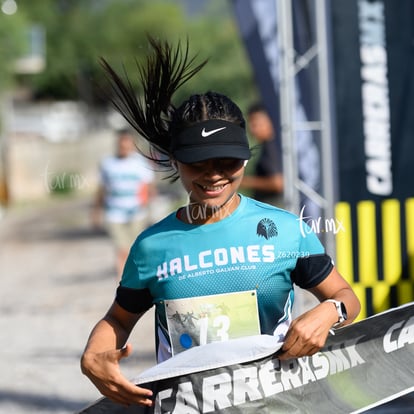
104, 371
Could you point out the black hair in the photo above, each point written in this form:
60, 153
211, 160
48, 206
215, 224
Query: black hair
155, 117
256, 107
124, 131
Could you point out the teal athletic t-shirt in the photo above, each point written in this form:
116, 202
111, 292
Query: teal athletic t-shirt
259, 249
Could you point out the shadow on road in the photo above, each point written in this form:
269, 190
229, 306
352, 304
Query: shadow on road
40, 403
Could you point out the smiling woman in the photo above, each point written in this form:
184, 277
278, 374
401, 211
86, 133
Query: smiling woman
211, 186
221, 252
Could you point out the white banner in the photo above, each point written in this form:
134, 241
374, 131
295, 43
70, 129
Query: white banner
362, 366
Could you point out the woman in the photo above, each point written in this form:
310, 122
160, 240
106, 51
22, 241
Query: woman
220, 252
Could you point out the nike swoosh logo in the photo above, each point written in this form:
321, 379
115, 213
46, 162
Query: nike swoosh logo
206, 134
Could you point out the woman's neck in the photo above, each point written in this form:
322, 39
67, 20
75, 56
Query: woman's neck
196, 213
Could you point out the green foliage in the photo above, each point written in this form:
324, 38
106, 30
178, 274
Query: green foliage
12, 32
228, 70
79, 32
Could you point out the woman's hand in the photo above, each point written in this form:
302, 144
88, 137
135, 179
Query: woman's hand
104, 371
307, 334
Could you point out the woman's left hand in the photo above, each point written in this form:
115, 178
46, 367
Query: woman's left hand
307, 334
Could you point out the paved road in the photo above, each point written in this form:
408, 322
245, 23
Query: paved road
57, 279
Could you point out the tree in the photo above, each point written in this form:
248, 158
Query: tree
80, 32
12, 29
12, 40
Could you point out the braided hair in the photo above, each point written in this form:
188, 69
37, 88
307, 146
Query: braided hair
154, 116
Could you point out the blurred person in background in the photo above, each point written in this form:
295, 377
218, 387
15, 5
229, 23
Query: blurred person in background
267, 180
121, 202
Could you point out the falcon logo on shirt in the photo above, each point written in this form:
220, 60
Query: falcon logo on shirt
267, 228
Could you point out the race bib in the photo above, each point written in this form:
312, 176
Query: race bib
214, 318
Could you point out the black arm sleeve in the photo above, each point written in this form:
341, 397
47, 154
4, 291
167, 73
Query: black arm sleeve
312, 270
133, 300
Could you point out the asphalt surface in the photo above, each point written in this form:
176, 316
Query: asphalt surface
57, 280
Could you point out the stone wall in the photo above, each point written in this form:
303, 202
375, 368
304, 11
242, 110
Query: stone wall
51, 146
37, 167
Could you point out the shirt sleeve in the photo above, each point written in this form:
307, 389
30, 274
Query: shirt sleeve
149, 175
133, 300
312, 270
103, 176
146, 169
132, 294
313, 265
270, 161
